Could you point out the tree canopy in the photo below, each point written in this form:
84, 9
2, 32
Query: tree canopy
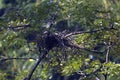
59, 40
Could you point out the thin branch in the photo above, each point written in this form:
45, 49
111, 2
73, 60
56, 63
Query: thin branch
97, 78
78, 47
81, 32
107, 59
5, 59
19, 27
92, 73
35, 66
97, 70
16, 28
107, 54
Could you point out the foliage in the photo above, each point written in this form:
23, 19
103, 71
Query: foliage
19, 18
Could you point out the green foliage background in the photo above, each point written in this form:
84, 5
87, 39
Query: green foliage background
90, 14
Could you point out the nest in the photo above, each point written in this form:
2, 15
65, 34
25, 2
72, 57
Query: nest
49, 41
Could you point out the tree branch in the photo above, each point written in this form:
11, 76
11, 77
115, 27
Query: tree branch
5, 59
107, 59
92, 73
19, 27
107, 54
16, 28
81, 32
35, 66
78, 47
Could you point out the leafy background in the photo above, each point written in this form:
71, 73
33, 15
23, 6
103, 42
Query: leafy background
60, 64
